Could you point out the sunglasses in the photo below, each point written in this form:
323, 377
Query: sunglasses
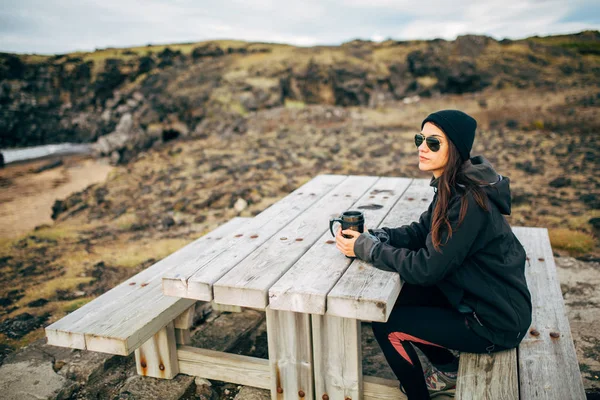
432, 142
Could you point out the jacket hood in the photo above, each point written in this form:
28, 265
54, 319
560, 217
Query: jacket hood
496, 186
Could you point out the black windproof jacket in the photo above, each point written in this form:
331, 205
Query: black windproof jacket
480, 269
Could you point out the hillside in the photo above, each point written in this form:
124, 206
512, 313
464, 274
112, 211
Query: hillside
206, 132
160, 92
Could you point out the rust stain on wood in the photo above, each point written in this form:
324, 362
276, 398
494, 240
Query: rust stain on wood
534, 332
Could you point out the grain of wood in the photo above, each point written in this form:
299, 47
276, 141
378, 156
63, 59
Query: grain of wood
365, 292
117, 303
548, 366
488, 377
305, 285
225, 307
381, 389
247, 284
158, 356
195, 277
234, 368
290, 354
183, 336
337, 357
186, 318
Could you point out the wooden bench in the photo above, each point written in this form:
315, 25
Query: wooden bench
283, 261
136, 316
545, 364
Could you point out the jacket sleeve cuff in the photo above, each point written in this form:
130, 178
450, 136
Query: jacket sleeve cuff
364, 246
381, 234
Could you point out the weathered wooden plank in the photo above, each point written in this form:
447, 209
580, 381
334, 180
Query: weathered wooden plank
305, 285
186, 319
337, 357
256, 372
183, 336
70, 331
365, 292
158, 356
210, 364
247, 284
381, 389
290, 355
125, 330
488, 377
225, 307
195, 277
548, 367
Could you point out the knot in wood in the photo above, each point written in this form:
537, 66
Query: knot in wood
143, 364
301, 393
330, 242
279, 389
534, 332
325, 397
554, 335
161, 367
348, 398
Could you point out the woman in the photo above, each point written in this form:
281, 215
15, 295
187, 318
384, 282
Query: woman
463, 268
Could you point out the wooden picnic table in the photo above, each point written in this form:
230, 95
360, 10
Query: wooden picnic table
284, 261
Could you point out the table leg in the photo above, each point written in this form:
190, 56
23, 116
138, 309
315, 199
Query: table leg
338, 358
158, 356
290, 355
183, 323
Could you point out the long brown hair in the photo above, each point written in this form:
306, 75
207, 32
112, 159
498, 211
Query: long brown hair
448, 182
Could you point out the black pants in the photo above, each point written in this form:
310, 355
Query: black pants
422, 316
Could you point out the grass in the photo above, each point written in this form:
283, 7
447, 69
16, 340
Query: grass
48, 289
263, 83
582, 222
294, 104
125, 221
55, 233
73, 305
130, 255
575, 242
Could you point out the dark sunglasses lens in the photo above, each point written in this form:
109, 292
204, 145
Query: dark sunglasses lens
433, 143
418, 139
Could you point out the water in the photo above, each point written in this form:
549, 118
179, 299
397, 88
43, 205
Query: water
31, 153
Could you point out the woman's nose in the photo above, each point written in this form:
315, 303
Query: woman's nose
423, 147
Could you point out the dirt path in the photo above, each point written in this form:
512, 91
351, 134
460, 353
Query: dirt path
26, 197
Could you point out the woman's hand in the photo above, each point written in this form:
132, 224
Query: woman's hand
346, 246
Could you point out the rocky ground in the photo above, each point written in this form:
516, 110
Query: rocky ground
177, 190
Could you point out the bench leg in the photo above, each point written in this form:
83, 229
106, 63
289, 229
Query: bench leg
290, 355
338, 357
158, 356
183, 323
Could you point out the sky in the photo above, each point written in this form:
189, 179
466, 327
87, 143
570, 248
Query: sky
62, 26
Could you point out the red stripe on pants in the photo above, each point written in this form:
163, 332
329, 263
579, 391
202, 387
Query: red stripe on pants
396, 339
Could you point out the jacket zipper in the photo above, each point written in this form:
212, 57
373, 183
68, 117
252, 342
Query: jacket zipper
475, 315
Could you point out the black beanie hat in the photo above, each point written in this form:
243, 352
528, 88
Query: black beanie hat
458, 126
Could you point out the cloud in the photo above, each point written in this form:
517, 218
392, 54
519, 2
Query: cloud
58, 26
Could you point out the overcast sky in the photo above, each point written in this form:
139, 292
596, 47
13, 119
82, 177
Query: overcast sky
60, 26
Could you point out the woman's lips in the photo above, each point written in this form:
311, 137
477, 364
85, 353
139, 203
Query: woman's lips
421, 158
